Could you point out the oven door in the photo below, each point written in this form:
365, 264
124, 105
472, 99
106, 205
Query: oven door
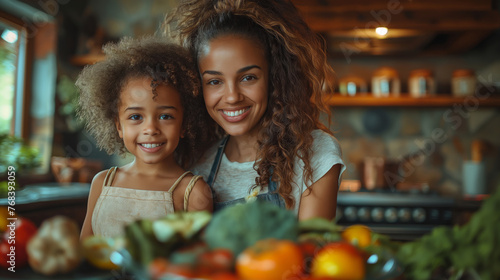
400, 216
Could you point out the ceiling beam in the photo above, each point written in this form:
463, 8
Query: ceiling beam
407, 5
325, 21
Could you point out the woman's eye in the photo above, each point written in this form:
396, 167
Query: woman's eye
213, 82
166, 117
135, 117
248, 78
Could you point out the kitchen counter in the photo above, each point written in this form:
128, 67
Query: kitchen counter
38, 202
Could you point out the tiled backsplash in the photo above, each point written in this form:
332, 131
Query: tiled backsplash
429, 144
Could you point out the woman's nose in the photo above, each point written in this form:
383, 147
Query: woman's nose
233, 94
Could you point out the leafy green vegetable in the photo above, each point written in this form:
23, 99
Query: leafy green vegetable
472, 250
240, 226
149, 239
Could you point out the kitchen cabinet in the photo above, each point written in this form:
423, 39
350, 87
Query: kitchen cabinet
368, 100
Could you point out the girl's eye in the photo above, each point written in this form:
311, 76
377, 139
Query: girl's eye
166, 117
135, 117
248, 78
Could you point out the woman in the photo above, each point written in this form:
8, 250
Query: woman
263, 72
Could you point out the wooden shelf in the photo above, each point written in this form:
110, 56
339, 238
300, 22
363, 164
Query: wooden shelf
82, 60
337, 100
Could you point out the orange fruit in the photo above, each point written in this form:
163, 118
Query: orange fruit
358, 235
339, 260
270, 259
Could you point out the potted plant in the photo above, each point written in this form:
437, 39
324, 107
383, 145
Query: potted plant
15, 152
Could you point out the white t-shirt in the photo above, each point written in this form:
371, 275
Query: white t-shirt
234, 179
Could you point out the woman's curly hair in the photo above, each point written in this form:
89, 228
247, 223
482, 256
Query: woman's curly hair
299, 73
100, 86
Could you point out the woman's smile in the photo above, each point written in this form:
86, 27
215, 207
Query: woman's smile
235, 115
235, 76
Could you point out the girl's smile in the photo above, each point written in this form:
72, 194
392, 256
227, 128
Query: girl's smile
150, 147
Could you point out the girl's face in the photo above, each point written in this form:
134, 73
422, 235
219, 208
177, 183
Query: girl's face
234, 73
150, 129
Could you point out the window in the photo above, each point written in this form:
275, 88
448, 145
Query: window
28, 73
12, 53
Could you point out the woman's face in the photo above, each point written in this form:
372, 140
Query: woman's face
235, 75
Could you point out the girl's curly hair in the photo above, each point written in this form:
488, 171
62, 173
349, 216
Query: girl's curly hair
299, 73
100, 86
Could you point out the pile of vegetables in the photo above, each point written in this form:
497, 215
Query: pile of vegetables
471, 251
258, 240
255, 240
53, 248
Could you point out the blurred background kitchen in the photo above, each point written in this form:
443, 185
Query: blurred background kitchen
416, 108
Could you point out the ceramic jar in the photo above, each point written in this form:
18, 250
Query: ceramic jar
463, 82
385, 82
421, 83
352, 85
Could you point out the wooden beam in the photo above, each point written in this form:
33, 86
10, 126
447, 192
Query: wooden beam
378, 5
466, 41
325, 21
457, 43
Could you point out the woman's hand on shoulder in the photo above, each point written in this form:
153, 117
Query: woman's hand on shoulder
320, 200
200, 197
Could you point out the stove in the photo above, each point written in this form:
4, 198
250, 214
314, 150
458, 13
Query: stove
401, 216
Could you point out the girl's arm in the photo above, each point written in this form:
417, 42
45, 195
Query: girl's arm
321, 200
95, 191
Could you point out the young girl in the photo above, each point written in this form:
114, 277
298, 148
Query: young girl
263, 74
143, 99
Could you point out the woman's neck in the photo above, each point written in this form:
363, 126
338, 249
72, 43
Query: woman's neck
241, 148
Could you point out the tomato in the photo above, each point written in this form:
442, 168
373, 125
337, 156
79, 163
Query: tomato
270, 259
214, 261
17, 234
157, 268
358, 235
339, 260
5, 258
24, 229
309, 249
161, 266
182, 269
223, 276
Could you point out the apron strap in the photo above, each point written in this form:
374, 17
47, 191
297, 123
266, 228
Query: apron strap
216, 164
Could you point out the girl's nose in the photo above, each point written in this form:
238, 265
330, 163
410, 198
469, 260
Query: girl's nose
233, 94
151, 128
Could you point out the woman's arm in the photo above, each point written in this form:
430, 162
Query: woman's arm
95, 191
320, 200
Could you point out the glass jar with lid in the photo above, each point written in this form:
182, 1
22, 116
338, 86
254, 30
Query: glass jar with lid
421, 83
385, 82
463, 82
352, 85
